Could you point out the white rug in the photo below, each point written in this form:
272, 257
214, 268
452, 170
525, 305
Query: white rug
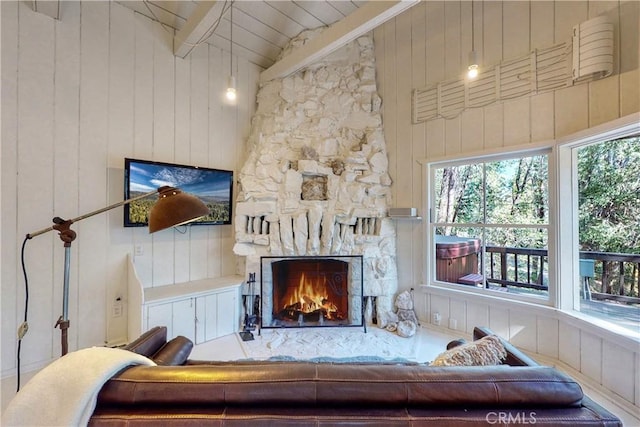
307, 343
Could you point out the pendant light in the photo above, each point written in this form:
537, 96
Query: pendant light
472, 69
231, 82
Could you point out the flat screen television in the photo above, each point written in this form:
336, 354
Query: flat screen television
213, 186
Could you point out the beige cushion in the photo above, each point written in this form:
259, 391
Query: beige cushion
485, 351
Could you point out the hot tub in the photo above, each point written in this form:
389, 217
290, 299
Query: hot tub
456, 257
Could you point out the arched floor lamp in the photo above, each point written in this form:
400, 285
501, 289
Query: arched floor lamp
172, 208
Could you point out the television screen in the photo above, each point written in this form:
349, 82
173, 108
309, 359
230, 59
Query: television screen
213, 186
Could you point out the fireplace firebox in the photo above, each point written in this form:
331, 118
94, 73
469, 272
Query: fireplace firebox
312, 291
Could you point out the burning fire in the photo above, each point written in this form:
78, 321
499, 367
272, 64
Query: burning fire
310, 296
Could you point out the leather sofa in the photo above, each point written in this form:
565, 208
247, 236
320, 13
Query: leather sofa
180, 391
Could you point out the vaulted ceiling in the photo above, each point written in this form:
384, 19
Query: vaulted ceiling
260, 28
257, 30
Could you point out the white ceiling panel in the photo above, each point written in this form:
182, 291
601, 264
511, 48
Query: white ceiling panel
261, 28
322, 10
296, 13
271, 17
343, 6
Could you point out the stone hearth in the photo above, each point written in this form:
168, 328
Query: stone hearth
316, 180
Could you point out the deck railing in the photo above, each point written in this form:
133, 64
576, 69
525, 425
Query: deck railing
519, 267
615, 276
604, 275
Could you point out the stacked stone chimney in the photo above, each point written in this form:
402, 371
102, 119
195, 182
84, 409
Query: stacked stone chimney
316, 181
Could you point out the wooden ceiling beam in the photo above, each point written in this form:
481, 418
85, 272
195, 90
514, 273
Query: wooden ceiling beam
359, 22
203, 19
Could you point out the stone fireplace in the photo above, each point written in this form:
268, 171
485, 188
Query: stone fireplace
316, 179
311, 291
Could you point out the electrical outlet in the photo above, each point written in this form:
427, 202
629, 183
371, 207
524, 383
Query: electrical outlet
117, 310
117, 307
138, 250
437, 319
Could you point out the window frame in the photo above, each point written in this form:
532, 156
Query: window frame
515, 152
568, 240
563, 229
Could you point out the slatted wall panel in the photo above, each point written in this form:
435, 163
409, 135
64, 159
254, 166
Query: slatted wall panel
450, 98
482, 91
425, 104
552, 67
541, 71
513, 78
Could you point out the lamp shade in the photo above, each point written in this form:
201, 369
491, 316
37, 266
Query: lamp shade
175, 208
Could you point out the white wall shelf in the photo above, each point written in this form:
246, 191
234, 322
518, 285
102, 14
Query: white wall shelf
200, 310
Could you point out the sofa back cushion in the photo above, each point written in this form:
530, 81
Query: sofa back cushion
343, 384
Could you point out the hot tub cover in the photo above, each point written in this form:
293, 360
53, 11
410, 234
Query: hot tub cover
449, 247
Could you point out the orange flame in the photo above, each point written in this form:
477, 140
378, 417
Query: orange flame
310, 295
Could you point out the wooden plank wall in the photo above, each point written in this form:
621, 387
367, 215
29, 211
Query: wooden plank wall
430, 43
78, 95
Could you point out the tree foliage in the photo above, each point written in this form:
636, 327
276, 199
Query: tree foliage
609, 196
512, 191
516, 193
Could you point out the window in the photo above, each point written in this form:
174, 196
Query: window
557, 226
490, 224
608, 182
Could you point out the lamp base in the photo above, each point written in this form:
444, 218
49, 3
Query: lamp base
246, 336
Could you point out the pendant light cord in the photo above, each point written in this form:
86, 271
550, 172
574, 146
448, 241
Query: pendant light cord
473, 36
231, 48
